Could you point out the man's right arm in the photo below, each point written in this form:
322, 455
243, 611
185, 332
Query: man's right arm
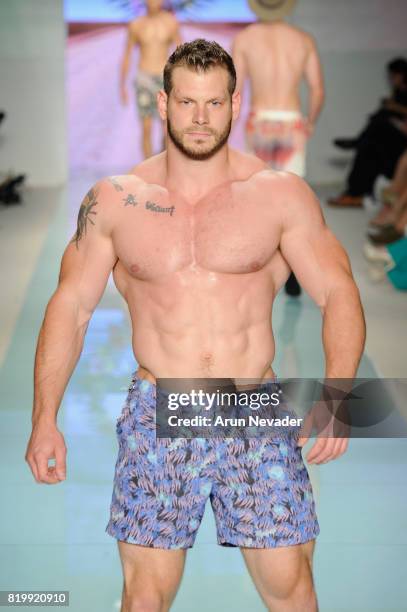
125, 65
85, 268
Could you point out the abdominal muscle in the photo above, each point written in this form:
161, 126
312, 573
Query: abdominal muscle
197, 351
184, 334
244, 355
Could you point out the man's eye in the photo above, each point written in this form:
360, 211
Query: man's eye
216, 103
185, 101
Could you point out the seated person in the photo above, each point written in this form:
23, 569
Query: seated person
393, 201
380, 145
394, 106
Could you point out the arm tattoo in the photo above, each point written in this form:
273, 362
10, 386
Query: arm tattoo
130, 200
89, 202
113, 180
156, 208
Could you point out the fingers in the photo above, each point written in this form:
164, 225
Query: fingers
60, 458
46, 474
42, 472
327, 449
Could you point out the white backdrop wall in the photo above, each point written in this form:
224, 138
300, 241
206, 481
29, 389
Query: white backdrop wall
32, 90
356, 39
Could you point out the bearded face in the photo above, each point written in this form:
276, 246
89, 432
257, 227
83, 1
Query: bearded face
199, 111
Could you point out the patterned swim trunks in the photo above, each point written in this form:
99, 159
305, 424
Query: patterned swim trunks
259, 489
279, 138
147, 86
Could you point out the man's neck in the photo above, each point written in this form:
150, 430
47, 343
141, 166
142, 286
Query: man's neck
153, 14
193, 178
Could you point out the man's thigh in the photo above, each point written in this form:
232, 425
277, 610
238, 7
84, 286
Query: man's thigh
151, 570
277, 572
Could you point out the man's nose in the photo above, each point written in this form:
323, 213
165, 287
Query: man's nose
200, 115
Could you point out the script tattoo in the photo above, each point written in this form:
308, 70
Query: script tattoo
89, 202
113, 180
130, 200
156, 208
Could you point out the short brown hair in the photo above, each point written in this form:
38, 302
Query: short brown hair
199, 54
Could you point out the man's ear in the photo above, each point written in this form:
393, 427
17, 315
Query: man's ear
236, 102
162, 100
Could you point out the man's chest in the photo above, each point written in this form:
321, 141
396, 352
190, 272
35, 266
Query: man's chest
153, 33
222, 233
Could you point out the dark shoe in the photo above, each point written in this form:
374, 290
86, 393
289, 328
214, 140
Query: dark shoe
346, 143
8, 193
346, 201
292, 287
9, 197
11, 181
388, 234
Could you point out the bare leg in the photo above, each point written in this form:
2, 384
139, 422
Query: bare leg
400, 176
393, 215
400, 205
401, 222
147, 145
394, 196
151, 577
283, 576
384, 216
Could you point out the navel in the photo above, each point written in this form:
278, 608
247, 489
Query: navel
207, 360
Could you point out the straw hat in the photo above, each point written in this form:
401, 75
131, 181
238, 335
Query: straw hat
269, 10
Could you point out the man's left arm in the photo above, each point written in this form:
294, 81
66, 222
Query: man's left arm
315, 80
323, 269
239, 61
176, 34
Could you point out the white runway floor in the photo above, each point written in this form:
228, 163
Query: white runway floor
53, 537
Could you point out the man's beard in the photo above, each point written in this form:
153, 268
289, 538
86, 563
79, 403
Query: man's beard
194, 153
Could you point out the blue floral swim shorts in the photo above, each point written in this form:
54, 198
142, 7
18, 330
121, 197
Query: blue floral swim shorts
147, 86
259, 489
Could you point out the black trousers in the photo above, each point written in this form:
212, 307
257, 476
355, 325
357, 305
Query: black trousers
379, 148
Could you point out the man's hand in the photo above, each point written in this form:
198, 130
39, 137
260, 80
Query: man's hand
400, 124
391, 105
326, 446
46, 442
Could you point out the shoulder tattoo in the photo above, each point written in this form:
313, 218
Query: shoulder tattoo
113, 181
86, 210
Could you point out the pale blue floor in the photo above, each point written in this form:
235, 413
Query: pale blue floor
52, 537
